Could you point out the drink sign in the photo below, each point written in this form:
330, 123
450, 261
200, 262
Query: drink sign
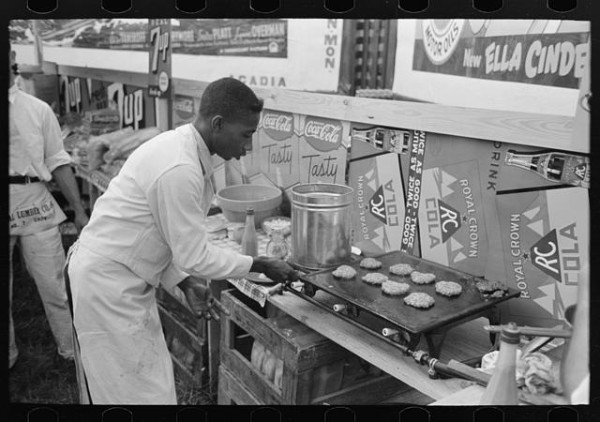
323, 134
159, 34
296, 148
279, 126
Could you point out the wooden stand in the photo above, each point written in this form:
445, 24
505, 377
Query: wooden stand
307, 356
186, 342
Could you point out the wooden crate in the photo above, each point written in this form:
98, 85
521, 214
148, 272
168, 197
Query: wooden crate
306, 356
175, 303
189, 351
232, 390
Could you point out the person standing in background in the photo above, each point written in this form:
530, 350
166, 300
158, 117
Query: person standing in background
37, 156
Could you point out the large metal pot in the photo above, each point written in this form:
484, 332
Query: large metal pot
321, 224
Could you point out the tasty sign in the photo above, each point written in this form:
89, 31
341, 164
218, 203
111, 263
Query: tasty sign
301, 149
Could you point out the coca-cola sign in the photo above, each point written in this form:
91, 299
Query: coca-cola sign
278, 126
322, 134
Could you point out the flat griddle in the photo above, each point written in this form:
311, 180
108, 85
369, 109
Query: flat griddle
446, 312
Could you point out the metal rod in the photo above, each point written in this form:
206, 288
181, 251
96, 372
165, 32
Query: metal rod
532, 331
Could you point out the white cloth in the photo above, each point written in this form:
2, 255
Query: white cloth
36, 146
146, 229
32, 209
581, 395
44, 257
122, 346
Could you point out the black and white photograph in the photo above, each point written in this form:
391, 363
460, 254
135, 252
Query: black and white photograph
286, 211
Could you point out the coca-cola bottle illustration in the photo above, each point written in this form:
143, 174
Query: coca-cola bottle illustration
555, 166
393, 140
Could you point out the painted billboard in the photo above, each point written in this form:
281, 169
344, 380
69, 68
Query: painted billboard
519, 65
300, 54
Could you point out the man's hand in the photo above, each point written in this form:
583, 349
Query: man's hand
201, 300
81, 220
276, 269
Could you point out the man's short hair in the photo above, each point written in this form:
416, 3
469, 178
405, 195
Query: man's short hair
229, 98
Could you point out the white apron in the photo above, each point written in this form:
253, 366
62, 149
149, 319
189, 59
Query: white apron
120, 335
32, 209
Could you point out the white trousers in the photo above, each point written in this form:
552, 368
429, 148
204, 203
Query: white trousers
44, 258
122, 348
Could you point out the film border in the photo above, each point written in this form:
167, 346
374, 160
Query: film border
300, 9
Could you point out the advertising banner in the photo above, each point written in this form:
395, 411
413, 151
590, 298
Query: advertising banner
517, 65
232, 37
215, 37
132, 105
453, 230
463, 192
452, 47
300, 54
159, 44
545, 239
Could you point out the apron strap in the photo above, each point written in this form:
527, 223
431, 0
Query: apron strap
81, 371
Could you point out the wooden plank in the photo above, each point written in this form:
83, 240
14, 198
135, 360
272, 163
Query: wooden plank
409, 396
346, 82
189, 359
251, 323
232, 391
251, 378
298, 346
371, 391
547, 131
469, 396
383, 355
49, 68
214, 336
390, 53
541, 130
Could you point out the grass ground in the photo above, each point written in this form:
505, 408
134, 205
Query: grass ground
40, 374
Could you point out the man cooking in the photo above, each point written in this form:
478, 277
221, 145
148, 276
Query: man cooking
148, 229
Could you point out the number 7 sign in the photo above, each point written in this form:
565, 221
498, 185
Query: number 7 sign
159, 36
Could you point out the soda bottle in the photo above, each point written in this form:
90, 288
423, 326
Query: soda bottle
554, 166
249, 239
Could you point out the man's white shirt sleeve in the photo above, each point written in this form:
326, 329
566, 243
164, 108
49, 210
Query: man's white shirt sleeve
175, 201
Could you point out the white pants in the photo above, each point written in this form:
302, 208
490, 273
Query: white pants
122, 347
44, 257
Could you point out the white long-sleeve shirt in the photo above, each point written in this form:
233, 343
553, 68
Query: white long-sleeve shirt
151, 218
